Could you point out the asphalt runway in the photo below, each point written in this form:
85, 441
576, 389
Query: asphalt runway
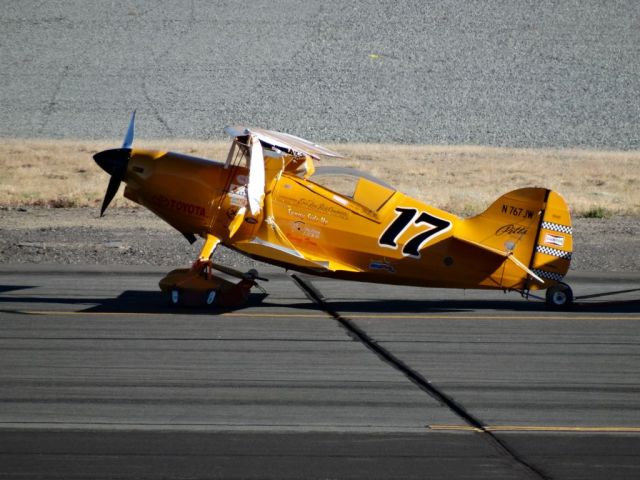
100, 378
523, 74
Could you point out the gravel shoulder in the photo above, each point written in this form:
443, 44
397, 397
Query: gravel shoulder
136, 237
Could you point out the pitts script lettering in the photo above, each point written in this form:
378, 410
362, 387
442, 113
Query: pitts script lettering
511, 229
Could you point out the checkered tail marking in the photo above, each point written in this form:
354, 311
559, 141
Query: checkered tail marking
556, 227
548, 275
554, 252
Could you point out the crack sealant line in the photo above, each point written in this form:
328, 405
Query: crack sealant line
425, 385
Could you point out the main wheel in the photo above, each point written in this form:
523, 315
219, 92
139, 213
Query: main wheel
210, 297
559, 295
174, 297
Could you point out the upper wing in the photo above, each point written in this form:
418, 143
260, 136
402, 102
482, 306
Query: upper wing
283, 141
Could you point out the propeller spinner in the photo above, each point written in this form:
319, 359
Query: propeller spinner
115, 162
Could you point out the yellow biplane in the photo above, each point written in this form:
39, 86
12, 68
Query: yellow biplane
267, 201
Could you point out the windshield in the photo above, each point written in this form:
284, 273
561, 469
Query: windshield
344, 180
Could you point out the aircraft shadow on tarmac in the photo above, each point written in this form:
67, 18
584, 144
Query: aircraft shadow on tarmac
144, 301
135, 301
129, 301
11, 288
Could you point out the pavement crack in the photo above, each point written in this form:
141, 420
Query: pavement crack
154, 109
419, 380
53, 99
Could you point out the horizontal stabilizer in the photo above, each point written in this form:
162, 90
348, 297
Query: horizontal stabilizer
507, 254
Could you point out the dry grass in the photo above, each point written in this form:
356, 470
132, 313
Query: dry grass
461, 179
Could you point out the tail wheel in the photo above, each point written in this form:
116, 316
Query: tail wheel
559, 295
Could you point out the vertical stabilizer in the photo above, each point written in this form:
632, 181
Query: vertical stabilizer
532, 228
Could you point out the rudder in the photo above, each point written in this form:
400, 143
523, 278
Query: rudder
554, 244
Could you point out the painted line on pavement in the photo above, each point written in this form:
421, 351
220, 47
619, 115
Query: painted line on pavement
537, 428
316, 315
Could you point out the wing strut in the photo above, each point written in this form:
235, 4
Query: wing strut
255, 188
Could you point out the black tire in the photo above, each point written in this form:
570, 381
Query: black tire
559, 295
175, 297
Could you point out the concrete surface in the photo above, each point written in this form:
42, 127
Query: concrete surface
526, 74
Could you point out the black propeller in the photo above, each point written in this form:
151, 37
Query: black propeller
115, 162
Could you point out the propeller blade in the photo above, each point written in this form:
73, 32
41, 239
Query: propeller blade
114, 162
128, 138
112, 189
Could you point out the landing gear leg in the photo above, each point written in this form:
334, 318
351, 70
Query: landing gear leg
559, 295
210, 244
